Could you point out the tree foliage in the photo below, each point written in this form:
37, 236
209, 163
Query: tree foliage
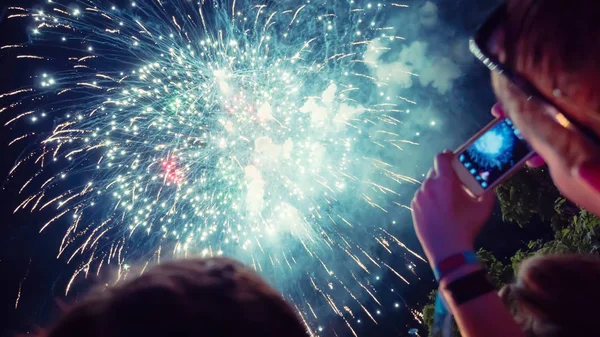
528, 194
499, 272
580, 236
429, 311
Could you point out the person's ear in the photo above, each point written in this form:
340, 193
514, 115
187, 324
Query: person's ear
496, 44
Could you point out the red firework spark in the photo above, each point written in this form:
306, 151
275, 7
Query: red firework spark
173, 173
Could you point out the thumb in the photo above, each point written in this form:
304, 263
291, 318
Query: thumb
486, 201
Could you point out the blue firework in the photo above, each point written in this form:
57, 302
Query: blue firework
494, 148
206, 128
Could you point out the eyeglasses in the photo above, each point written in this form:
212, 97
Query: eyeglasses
479, 46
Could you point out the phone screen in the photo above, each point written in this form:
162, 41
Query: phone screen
495, 153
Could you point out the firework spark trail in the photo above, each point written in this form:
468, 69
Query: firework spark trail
20, 290
20, 137
11, 46
396, 273
403, 245
30, 57
254, 136
16, 92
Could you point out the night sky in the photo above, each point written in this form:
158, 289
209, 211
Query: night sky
28, 260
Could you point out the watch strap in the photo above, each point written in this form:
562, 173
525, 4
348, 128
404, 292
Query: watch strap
454, 262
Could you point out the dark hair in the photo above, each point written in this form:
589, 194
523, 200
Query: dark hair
558, 43
556, 295
214, 297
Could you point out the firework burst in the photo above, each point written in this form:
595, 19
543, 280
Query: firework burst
251, 130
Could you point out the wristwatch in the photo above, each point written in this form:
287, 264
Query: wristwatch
470, 286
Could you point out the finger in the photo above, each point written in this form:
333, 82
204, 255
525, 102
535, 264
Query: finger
414, 204
442, 164
482, 202
498, 111
487, 200
425, 182
429, 174
536, 161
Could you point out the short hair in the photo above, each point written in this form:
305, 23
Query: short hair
556, 295
214, 297
556, 43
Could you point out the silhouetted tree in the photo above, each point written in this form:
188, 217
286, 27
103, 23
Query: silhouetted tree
531, 193
581, 236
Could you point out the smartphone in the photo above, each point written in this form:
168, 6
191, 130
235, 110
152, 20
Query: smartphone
491, 156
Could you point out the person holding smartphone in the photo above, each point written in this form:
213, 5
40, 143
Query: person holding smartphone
544, 61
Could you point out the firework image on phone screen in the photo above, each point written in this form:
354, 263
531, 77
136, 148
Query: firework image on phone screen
494, 154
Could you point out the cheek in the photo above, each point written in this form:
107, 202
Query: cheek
503, 92
522, 112
495, 78
511, 103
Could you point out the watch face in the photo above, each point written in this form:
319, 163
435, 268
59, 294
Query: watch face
471, 286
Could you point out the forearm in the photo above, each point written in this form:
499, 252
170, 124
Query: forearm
484, 316
446, 221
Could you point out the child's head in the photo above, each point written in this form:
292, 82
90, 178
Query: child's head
556, 295
213, 297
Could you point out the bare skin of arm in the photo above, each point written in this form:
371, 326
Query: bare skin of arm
483, 316
447, 220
